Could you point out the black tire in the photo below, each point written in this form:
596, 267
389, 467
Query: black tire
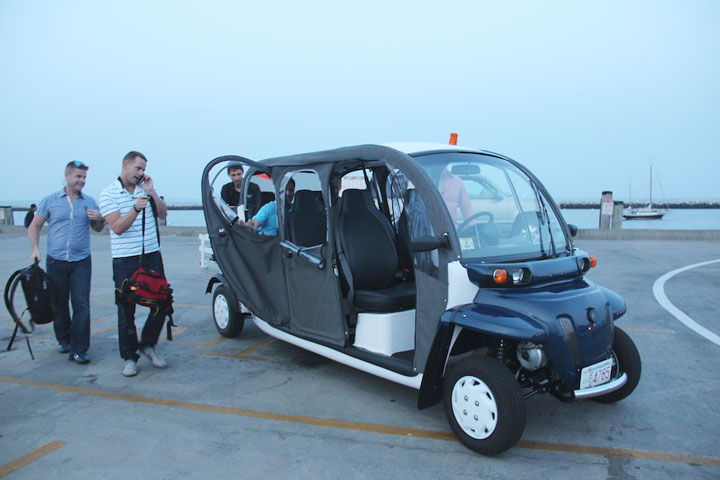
228, 321
494, 394
628, 359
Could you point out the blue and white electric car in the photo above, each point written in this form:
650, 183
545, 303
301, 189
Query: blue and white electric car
446, 269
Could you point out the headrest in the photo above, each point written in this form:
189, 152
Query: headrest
354, 199
305, 197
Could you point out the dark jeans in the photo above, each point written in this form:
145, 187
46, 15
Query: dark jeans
123, 268
72, 283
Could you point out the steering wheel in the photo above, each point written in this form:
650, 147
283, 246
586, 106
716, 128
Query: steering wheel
464, 227
472, 217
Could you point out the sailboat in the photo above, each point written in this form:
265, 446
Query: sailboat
645, 213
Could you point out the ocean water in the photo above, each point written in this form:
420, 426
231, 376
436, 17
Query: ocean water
676, 219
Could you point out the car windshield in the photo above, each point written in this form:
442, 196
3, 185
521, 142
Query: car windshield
498, 211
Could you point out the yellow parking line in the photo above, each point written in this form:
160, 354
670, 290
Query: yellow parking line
367, 427
245, 353
36, 336
204, 346
235, 356
622, 452
186, 305
9, 468
257, 346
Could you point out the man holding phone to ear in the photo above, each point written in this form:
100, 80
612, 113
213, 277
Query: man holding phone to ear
122, 203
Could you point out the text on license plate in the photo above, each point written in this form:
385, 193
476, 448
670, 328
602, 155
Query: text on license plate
596, 374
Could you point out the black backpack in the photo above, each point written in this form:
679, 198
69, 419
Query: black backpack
40, 298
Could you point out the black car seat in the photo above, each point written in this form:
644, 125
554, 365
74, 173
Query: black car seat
489, 233
266, 197
307, 224
524, 220
368, 244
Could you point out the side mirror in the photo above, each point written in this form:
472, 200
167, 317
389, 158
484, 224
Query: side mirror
428, 243
573, 229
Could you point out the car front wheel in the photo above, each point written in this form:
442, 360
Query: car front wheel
484, 405
228, 321
628, 361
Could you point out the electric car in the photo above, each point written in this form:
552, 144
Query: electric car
411, 276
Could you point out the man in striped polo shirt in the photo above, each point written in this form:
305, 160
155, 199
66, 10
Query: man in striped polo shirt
122, 203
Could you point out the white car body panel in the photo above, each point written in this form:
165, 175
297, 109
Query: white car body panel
412, 382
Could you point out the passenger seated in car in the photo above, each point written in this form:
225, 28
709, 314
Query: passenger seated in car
266, 218
335, 186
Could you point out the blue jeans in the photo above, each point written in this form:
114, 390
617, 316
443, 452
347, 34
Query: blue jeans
72, 283
123, 268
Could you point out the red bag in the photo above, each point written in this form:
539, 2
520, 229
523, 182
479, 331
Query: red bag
150, 289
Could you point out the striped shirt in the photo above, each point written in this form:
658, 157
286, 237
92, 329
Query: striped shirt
115, 198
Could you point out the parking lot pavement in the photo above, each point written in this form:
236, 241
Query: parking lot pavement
253, 407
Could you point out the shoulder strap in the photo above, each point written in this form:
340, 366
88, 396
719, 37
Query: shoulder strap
143, 237
10, 288
154, 210
349, 300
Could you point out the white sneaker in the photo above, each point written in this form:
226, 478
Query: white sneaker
153, 356
130, 368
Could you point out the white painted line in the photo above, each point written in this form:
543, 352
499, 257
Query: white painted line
659, 292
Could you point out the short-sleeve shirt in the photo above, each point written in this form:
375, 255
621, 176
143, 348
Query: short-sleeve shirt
68, 225
115, 198
232, 197
267, 216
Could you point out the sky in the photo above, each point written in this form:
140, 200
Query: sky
585, 94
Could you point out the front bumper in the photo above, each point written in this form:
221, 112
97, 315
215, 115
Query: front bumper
611, 386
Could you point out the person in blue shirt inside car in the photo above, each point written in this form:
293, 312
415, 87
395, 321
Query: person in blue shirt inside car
266, 218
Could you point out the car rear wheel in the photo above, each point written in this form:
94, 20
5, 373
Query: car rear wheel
228, 321
628, 361
484, 405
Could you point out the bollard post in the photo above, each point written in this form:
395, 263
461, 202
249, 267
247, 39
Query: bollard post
6, 216
617, 217
162, 222
606, 210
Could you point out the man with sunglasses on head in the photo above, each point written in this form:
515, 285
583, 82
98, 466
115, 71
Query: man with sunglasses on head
125, 204
70, 214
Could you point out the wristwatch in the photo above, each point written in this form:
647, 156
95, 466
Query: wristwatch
136, 210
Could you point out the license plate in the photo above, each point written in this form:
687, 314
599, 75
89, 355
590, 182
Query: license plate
596, 374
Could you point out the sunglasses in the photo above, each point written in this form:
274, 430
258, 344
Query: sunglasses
77, 164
